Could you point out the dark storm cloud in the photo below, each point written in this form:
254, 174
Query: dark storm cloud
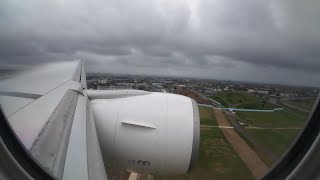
203, 38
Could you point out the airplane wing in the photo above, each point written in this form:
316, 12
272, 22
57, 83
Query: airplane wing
52, 117
73, 133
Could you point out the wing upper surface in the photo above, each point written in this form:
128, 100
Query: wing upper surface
42, 79
18, 92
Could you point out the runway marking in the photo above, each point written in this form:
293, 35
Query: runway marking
221, 127
279, 128
133, 176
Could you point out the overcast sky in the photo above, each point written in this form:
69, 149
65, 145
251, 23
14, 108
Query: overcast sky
253, 40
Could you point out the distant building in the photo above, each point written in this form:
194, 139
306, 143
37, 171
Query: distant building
128, 85
112, 87
157, 90
208, 92
160, 85
167, 82
104, 81
254, 91
286, 94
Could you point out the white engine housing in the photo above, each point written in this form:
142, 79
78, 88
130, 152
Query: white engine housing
144, 132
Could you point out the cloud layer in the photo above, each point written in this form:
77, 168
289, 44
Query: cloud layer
268, 40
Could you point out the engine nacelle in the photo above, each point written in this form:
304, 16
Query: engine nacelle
151, 133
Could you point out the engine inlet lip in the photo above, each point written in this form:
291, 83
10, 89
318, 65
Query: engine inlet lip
196, 136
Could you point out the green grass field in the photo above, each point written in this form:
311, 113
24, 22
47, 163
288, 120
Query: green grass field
220, 99
302, 104
282, 118
241, 99
258, 104
217, 160
206, 116
277, 139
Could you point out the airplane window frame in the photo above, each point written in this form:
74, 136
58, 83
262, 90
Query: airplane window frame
299, 161
16, 161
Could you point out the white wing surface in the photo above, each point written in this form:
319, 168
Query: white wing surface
52, 117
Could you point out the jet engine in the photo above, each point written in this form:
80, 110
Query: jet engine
146, 132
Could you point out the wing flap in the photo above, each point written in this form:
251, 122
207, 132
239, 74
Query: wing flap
29, 121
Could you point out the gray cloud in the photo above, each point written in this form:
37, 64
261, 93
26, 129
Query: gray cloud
224, 39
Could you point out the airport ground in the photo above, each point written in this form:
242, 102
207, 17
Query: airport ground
268, 134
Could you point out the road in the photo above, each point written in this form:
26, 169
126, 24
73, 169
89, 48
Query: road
137, 176
250, 127
221, 127
283, 103
245, 110
282, 128
256, 166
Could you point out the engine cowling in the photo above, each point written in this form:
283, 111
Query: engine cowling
151, 133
